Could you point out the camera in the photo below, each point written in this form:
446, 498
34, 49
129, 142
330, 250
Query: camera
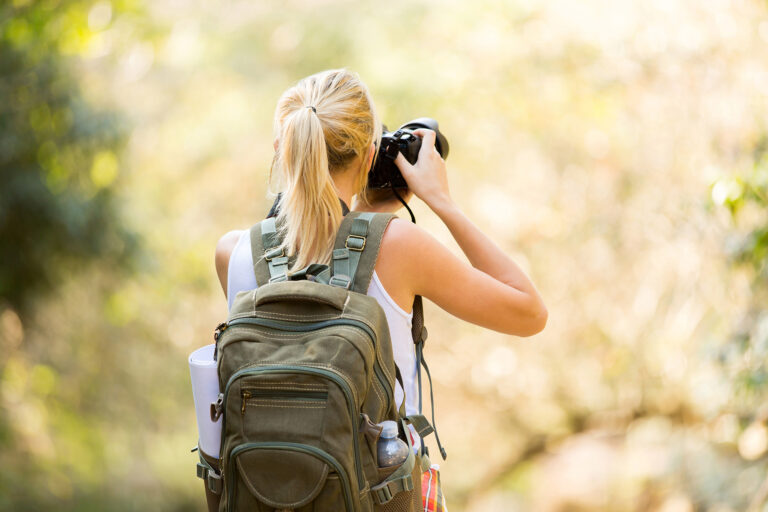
385, 174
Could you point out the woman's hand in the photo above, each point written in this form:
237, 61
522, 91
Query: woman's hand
428, 178
382, 200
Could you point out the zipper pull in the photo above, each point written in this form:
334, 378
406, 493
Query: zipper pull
216, 334
246, 396
217, 408
219, 329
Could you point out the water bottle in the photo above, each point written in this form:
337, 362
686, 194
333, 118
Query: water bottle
392, 451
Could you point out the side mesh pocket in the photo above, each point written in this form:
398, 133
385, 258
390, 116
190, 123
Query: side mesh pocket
399, 487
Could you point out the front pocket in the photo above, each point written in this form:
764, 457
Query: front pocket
279, 410
300, 420
331, 495
285, 476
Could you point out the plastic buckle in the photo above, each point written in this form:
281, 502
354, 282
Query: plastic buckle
354, 247
279, 278
340, 280
214, 482
272, 253
202, 471
382, 495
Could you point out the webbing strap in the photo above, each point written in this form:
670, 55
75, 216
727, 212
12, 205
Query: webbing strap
419, 333
260, 266
341, 272
384, 492
421, 424
209, 475
443, 453
356, 249
346, 259
399, 377
313, 272
276, 258
260, 244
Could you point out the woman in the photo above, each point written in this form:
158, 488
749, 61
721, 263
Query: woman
326, 138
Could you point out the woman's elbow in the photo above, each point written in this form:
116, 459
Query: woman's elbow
538, 321
533, 322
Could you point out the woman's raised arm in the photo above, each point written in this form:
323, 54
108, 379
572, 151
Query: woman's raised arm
493, 292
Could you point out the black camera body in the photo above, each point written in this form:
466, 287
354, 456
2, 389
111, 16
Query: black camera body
385, 174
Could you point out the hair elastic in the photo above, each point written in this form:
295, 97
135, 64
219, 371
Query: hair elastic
313, 108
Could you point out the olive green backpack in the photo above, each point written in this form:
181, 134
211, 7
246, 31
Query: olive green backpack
306, 372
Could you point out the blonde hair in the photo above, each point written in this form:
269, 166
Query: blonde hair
322, 124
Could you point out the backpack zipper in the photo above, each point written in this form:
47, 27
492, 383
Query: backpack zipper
324, 372
292, 327
266, 394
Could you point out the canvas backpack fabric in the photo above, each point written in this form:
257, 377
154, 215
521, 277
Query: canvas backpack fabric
306, 371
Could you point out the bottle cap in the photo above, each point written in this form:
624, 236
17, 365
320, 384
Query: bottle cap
389, 429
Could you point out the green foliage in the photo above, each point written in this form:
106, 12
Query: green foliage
59, 158
745, 196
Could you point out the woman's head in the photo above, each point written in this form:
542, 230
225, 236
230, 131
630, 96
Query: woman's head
313, 146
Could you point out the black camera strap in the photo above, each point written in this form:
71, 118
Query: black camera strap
394, 191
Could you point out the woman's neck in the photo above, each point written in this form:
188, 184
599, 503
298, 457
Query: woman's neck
345, 184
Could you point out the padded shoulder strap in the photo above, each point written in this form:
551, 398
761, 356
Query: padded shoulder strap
269, 263
357, 248
260, 267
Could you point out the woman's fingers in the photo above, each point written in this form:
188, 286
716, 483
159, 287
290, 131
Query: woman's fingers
427, 140
404, 166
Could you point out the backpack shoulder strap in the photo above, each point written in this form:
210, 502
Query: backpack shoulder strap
357, 248
269, 263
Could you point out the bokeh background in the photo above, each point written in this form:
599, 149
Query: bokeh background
618, 150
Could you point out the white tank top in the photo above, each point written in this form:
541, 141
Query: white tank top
240, 277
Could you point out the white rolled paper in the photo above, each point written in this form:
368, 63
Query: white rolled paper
205, 390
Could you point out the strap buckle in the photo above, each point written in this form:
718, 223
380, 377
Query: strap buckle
212, 479
356, 245
278, 278
214, 482
273, 253
202, 471
382, 495
340, 280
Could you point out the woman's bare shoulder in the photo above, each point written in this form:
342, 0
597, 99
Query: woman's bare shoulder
224, 248
401, 235
397, 244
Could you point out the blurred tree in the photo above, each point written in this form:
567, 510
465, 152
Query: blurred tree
59, 172
58, 157
746, 198
744, 356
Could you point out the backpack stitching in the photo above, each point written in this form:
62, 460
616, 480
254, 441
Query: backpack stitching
295, 335
321, 406
298, 386
288, 315
288, 363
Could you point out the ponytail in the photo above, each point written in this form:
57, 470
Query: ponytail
322, 124
309, 209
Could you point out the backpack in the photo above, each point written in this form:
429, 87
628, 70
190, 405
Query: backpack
306, 373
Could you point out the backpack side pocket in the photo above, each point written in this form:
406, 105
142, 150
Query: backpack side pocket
399, 488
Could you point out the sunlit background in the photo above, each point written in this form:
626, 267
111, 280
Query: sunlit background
618, 150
